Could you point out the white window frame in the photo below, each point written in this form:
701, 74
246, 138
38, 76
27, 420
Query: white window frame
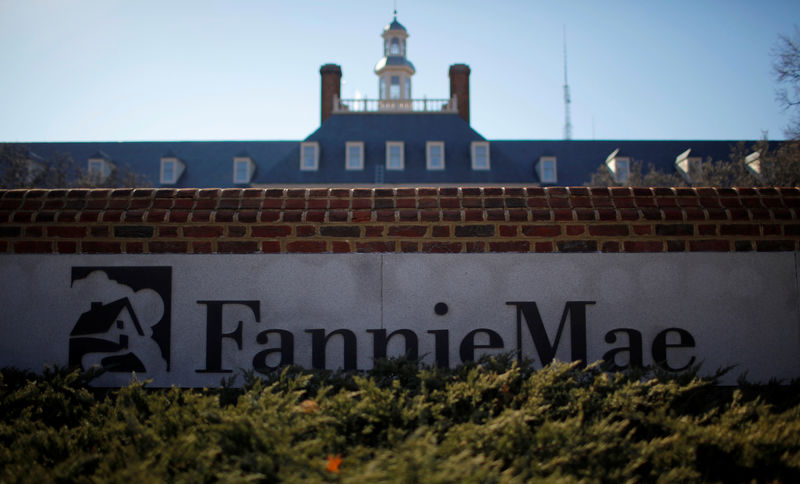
102, 170
428, 159
389, 146
348, 161
315, 146
249, 170
541, 171
613, 162
177, 170
474, 149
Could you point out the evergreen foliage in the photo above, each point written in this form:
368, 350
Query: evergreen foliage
492, 421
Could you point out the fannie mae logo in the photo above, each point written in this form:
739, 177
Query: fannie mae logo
126, 322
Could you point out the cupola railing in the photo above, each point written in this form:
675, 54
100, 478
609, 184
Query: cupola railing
425, 105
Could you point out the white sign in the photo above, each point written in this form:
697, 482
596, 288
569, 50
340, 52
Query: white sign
191, 320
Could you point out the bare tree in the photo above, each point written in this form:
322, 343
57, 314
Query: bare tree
786, 65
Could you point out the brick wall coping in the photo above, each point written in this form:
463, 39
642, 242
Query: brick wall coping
433, 220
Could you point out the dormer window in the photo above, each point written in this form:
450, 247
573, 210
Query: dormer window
480, 155
435, 155
354, 154
686, 165
171, 170
243, 169
753, 164
394, 155
620, 166
100, 166
309, 156
546, 169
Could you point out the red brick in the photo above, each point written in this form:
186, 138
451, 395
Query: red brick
86, 216
172, 247
65, 247
643, 246
406, 203
427, 203
472, 203
610, 246
238, 247
33, 231
573, 230
473, 215
409, 246
178, 216
540, 215
775, 245
642, 229
385, 215
608, 230
676, 246
270, 215
441, 247
474, 247
67, 232
88, 247
272, 203
577, 245
739, 229
201, 216
306, 246
541, 230
340, 231
305, 230
99, 231
538, 202
407, 215
292, 215
374, 231
340, 247
508, 230
203, 231
376, 246
441, 231
317, 204
585, 214
270, 246
33, 247
408, 231
510, 246
563, 214
451, 215
518, 215
267, 231
709, 245
361, 203
317, 216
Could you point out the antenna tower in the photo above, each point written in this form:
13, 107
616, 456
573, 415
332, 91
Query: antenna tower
567, 101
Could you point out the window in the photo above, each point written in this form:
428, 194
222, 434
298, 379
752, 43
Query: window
100, 166
309, 156
408, 88
435, 155
394, 155
394, 88
687, 165
753, 164
354, 154
395, 48
381, 88
546, 169
480, 155
243, 169
171, 170
620, 166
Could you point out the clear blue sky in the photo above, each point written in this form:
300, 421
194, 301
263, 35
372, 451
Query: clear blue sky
110, 70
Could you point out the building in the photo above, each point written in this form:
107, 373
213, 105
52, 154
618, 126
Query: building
394, 140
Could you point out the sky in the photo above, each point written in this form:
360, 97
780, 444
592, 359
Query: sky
111, 70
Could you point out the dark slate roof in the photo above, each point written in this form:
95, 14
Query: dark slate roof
208, 163
576, 160
414, 129
395, 25
394, 60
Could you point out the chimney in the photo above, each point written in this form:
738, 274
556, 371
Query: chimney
331, 86
459, 87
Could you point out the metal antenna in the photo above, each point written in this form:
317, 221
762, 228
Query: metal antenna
567, 100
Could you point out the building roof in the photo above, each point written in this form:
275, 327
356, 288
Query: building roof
395, 25
394, 60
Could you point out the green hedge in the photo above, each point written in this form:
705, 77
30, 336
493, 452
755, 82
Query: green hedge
491, 422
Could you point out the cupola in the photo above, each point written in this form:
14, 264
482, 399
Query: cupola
394, 71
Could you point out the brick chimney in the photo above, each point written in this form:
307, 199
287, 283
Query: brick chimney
459, 87
331, 86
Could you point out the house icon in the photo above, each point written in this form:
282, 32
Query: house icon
107, 328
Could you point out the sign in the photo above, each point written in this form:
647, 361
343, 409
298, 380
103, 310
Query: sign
191, 320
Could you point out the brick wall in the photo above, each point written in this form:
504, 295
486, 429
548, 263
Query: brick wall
435, 220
